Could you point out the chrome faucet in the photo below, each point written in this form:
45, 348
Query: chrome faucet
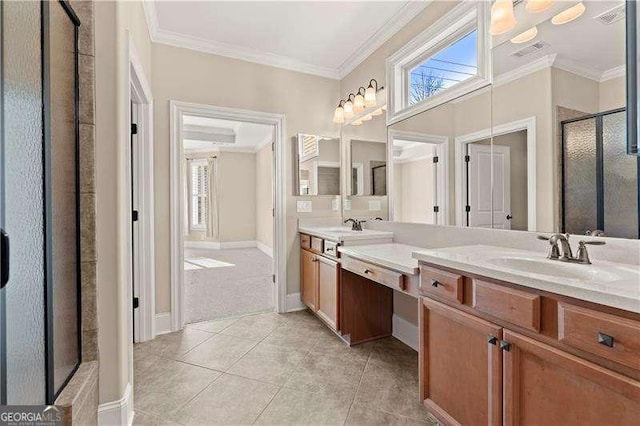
356, 225
561, 248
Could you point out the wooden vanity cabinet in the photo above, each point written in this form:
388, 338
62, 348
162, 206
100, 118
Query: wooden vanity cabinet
505, 355
328, 291
309, 278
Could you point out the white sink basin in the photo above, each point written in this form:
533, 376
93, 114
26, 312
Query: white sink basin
556, 269
339, 230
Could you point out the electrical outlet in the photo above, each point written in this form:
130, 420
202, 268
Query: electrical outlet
347, 204
304, 206
335, 204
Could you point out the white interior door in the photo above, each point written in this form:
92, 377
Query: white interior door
487, 211
501, 187
479, 185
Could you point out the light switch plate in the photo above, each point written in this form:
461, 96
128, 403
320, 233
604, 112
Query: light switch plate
304, 206
375, 205
347, 204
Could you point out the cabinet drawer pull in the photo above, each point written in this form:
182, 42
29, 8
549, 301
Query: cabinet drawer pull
368, 271
492, 339
605, 339
505, 346
315, 259
435, 283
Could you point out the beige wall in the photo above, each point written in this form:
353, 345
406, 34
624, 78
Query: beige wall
414, 194
185, 75
612, 94
264, 196
115, 22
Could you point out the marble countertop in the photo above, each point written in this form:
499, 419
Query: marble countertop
392, 256
343, 233
606, 283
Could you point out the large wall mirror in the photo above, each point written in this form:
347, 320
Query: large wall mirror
366, 172
543, 148
318, 164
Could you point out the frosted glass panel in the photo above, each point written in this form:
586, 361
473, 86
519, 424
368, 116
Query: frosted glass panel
620, 179
580, 176
23, 202
63, 186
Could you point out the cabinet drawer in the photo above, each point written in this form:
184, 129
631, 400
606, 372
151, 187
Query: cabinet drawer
441, 283
605, 335
508, 304
317, 244
375, 273
305, 241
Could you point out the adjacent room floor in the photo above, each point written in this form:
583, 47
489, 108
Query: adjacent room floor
273, 369
228, 282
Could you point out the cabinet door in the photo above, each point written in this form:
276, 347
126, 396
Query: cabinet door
546, 386
460, 366
328, 290
309, 279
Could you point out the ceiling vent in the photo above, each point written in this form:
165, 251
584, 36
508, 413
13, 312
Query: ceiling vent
611, 16
529, 50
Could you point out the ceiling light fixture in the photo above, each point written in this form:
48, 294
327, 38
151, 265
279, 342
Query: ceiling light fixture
502, 17
526, 36
537, 6
568, 15
338, 115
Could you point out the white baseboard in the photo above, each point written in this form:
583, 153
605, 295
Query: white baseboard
163, 323
217, 245
264, 248
406, 332
294, 303
117, 413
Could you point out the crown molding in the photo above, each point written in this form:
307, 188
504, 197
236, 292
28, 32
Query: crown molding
390, 28
577, 69
398, 21
526, 69
612, 73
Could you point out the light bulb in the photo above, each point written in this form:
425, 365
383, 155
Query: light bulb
502, 17
370, 96
356, 122
524, 37
358, 103
338, 115
568, 15
366, 117
536, 6
348, 109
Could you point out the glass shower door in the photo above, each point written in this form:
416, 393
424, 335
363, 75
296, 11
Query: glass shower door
21, 206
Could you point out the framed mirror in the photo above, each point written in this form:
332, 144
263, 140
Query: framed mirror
633, 77
318, 164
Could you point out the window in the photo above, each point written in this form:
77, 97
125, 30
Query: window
452, 65
199, 193
449, 59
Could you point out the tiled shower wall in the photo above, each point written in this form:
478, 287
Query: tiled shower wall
79, 399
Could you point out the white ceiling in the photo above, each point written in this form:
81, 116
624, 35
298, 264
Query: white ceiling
326, 38
584, 46
248, 136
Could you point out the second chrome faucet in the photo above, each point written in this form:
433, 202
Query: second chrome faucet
561, 248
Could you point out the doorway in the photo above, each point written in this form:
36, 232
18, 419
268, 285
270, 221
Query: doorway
227, 218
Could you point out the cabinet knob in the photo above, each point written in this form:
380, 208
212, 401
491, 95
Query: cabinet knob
492, 339
605, 339
435, 283
505, 346
368, 271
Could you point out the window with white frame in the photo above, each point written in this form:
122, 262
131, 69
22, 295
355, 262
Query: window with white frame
199, 193
449, 59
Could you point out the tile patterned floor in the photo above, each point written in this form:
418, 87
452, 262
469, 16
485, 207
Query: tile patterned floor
274, 369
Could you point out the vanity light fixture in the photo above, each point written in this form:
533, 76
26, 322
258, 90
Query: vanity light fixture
358, 101
537, 6
568, 15
526, 36
370, 93
502, 17
338, 115
348, 107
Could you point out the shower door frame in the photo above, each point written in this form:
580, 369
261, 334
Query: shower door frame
599, 167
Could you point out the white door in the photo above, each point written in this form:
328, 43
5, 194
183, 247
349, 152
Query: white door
485, 212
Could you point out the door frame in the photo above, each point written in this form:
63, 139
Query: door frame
442, 149
278, 121
143, 276
528, 124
